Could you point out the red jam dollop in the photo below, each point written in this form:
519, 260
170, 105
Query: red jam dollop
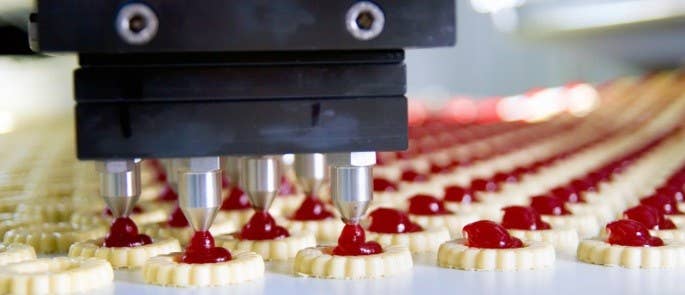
202, 250
459, 194
523, 218
391, 221
489, 235
167, 194
427, 205
546, 205
502, 177
124, 233
352, 242
664, 203
383, 185
286, 187
237, 200
312, 208
484, 185
626, 232
262, 226
413, 176
649, 217
177, 218
567, 194
135, 210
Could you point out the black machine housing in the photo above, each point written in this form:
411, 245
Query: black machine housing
228, 77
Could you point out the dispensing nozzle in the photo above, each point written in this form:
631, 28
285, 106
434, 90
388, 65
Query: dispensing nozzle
352, 183
119, 185
260, 180
311, 172
199, 190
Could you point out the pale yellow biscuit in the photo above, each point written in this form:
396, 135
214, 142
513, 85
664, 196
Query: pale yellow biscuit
597, 251
427, 240
124, 257
58, 275
565, 240
49, 238
11, 253
277, 249
319, 262
534, 255
166, 270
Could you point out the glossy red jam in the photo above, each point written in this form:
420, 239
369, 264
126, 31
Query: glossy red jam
672, 191
436, 168
628, 232
427, 205
582, 185
523, 218
391, 221
546, 205
484, 185
502, 178
649, 217
262, 226
177, 219
413, 176
459, 194
236, 200
167, 194
286, 187
202, 250
352, 242
384, 185
664, 203
312, 208
489, 235
124, 233
566, 194
135, 210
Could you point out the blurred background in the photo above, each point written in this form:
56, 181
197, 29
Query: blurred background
504, 48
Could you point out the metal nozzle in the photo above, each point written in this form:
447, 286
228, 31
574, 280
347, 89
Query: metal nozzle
351, 190
119, 184
260, 179
231, 167
199, 190
311, 171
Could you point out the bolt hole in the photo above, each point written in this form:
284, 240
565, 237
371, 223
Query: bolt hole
137, 23
365, 20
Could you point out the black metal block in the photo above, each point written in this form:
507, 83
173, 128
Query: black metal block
240, 25
210, 128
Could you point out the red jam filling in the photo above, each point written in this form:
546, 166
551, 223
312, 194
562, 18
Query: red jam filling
383, 185
312, 208
436, 168
626, 232
672, 191
352, 242
427, 205
391, 221
167, 194
582, 185
649, 217
523, 218
459, 194
262, 226
177, 219
546, 205
124, 233
135, 210
484, 185
237, 200
502, 177
413, 176
664, 203
489, 235
567, 194
286, 187
202, 250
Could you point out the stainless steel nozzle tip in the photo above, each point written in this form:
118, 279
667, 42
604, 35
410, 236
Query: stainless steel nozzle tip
119, 185
260, 180
311, 171
199, 185
352, 191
